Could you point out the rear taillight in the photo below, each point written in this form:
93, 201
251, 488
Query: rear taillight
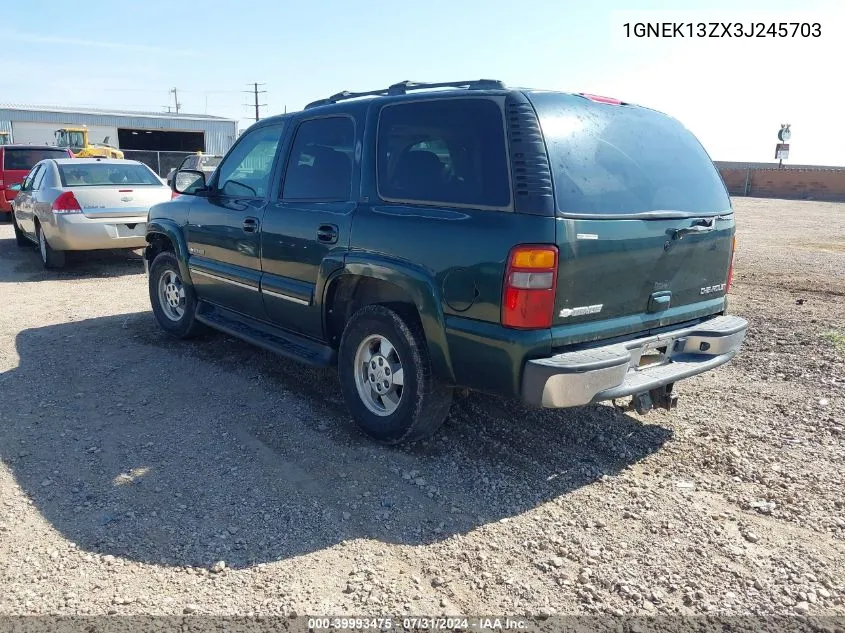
528, 299
731, 267
65, 204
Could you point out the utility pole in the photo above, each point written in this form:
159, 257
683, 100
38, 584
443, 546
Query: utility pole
255, 91
176, 100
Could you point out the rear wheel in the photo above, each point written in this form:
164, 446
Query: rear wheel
174, 303
386, 379
50, 257
20, 236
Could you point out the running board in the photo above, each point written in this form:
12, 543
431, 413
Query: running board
266, 336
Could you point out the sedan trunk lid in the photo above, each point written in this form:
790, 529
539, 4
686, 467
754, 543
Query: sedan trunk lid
109, 201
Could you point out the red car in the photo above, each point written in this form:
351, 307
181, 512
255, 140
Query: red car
15, 163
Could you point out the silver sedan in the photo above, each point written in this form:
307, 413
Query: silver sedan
82, 204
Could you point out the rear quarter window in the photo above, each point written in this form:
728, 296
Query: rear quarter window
24, 158
444, 152
621, 160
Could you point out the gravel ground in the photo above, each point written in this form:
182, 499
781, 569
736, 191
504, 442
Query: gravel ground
140, 475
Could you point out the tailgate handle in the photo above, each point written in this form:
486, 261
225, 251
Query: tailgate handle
660, 301
699, 226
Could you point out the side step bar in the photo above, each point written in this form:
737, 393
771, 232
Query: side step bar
266, 336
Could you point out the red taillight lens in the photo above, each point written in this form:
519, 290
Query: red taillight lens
731, 267
66, 203
528, 299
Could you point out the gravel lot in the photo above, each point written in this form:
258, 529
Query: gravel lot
140, 475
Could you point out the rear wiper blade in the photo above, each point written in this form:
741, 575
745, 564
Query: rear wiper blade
699, 226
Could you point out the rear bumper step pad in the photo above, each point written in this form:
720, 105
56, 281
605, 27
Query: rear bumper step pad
613, 371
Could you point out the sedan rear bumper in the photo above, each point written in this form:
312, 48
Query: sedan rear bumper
76, 232
633, 367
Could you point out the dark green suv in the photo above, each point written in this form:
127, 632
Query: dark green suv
564, 249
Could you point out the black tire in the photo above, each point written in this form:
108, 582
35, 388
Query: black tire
50, 257
5, 216
20, 237
423, 401
186, 326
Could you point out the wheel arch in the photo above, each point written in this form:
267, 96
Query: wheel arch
164, 235
406, 290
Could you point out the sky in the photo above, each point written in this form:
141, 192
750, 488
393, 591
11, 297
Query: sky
733, 93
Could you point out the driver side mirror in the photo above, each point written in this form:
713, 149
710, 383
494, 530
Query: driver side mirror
188, 182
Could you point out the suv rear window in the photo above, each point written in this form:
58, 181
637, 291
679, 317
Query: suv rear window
445, 151
24, 158
618, 160
93, 174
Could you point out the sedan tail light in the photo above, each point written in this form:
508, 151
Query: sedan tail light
66, 204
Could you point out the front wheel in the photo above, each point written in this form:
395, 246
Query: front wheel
386, 379
174, 304
20, 236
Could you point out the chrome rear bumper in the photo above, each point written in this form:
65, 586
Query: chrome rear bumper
581, 377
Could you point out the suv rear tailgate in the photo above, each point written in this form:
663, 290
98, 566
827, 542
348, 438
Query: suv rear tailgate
644, 223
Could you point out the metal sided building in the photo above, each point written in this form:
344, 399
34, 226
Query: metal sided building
156, 138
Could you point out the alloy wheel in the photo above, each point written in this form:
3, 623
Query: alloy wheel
379, 375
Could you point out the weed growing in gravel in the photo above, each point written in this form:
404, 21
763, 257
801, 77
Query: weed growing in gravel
837, 339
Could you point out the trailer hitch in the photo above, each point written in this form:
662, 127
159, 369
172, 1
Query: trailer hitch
658, 398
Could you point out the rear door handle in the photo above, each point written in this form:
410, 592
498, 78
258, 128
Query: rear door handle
327, 234
250, 225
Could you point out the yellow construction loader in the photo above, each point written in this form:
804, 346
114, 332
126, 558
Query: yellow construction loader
76, 139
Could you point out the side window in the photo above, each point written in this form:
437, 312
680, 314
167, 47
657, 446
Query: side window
39, 177
449, 151
247, 169
321, 159
27, 183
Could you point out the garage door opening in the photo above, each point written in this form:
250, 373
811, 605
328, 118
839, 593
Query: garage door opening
161, 140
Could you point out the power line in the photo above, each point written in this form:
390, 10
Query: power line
256, 92
180, 90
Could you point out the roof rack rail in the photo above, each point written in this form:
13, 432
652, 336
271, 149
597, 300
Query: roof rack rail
404, 86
